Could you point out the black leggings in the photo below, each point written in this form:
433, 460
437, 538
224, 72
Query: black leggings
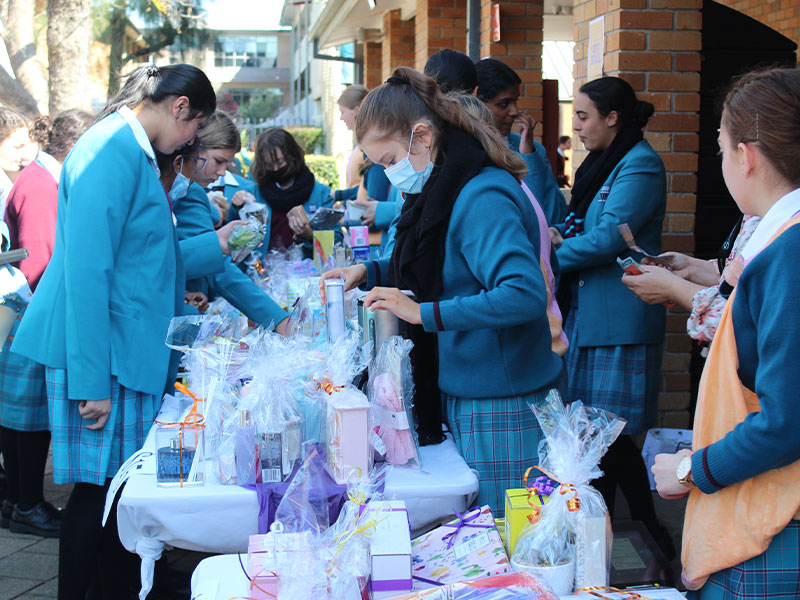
25, 456
91, 558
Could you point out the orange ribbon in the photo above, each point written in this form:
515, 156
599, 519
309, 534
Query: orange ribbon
194, 420
573, 504
326, 385
595, 590
252, 581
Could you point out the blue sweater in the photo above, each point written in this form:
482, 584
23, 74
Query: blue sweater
541, 181
193, 213
493, 332
766, 326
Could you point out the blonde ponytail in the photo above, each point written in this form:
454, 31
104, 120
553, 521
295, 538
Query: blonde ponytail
409, 96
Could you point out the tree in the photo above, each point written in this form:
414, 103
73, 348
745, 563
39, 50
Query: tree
69, 42
18, 35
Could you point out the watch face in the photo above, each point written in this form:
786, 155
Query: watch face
684, 467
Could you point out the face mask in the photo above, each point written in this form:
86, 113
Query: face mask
403, 176
281, 174
180, 186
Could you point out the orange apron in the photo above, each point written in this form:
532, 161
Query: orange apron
738, 522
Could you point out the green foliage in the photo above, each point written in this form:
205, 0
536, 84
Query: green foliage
309, 138
324, 169
262, 107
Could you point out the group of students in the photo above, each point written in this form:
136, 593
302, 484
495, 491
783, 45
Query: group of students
523, 291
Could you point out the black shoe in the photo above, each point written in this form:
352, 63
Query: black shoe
6, 508
43, 520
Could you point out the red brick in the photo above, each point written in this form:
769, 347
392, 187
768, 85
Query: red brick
635, 79
649, 19
673, 122
685, 162
678, 242
681, 223
688, 20
674, 40
679, 343
675, 420
676, 4
687, 62
676, 323
661, 142
687, 102
515, 62
617, 4
660, 101
525, 49
684, 183
686, 142
681, 203
673, 82
625, 40
675, 362
645, 61
677, 396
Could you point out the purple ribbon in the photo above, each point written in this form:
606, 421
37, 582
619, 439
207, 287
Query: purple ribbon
543, 486
464, 520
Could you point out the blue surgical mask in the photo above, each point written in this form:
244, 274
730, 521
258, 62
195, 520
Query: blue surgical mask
403, 176
179, 187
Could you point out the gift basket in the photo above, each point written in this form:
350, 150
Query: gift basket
391, 391
568, 540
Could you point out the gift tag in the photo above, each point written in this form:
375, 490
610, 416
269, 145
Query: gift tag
474, 543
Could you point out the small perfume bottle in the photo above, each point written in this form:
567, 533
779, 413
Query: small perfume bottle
174, 462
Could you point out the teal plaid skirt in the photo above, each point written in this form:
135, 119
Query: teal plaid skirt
773, 575
623, 380
499, 438
85, 455
23, 397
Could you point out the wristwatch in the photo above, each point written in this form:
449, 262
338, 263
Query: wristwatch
684, 471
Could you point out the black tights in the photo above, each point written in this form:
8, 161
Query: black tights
25, 456
91, 558
623, 465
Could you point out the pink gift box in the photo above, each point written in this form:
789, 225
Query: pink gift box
348, 434
475, 551
263, 578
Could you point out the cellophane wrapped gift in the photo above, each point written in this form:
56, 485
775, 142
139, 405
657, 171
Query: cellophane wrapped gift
390, 548
469, 547
391, 392
247, 237
510, 586
570, 544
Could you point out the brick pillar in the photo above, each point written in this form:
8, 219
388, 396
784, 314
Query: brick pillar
398, 43
440, 24
655, 46
373, 59
520, 46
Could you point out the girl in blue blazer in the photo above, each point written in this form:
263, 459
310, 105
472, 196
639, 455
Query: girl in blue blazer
467, 245
615, 340
288, 187
103, 306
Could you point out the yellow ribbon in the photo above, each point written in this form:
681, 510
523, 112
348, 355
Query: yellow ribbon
370, 524
595, 590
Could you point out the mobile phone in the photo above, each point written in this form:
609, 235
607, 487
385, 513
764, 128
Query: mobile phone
629, 265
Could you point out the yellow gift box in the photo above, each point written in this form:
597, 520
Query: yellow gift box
518, 510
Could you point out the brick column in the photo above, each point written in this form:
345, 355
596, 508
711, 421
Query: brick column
373, 59
398, 43
520, 46
655, 46
440, 24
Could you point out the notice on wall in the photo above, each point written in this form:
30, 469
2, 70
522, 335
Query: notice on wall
596, 48
495, 22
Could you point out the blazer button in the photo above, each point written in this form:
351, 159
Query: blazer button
581, 283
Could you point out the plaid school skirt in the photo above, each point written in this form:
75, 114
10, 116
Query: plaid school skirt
623, 380
23, 397
773, 575
89, 456
499, 438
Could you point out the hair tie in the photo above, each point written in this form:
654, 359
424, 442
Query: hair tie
152, 71
393, 80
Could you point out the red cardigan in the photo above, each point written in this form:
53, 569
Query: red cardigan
31, 218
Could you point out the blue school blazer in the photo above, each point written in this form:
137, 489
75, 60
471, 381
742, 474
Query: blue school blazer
541, 181
117, 275
634, 193
193, 213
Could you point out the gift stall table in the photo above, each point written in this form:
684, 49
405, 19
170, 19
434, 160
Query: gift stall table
220, 518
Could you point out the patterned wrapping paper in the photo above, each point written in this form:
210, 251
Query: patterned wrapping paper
476, 551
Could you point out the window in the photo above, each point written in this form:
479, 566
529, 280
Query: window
240, 51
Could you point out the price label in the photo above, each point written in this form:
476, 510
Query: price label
471, 545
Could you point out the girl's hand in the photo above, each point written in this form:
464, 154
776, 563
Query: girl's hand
555, 237
224, 232
352, 276
665, 473
282, 328
681, 264
734, 270
197, 299
654, 286
219, 201
298, 222
95, 410
370, 206
527, 124
241, 198
396, 302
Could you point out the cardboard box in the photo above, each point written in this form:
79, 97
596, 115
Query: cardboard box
390, 546
517, 511
348, 434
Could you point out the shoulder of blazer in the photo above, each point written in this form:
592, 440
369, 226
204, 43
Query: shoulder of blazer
487, 180
108, 141
642, 158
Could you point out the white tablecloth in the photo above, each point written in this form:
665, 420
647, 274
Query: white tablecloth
221, 578
221, 518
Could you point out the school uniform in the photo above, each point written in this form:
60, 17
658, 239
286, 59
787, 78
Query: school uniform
615, 339
493, 334
31, 217
541, 181
193, 215
103, 306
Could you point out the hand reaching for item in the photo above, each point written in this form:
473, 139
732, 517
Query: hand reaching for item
241, 198
224, 232
298, 222
197, 299
370, 208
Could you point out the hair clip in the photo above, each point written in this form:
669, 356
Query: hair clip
757, 132
393, 80
152, 71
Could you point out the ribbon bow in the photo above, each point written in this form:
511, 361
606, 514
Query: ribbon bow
544, 485
464, 520
326, 385
364, 530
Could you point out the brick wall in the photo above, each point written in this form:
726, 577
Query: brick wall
520, 47
373, 60
781, 15
655, 46
398, 43
440, 24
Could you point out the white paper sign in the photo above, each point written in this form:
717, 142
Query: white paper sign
596, 48
471, 545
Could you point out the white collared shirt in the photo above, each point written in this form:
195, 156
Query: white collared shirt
140, 134
51, 164
777, 216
